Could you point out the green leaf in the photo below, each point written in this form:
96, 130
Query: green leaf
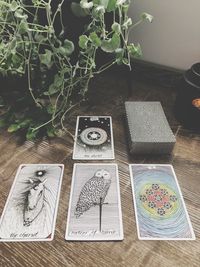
50, 109
104, 3
121, 2
51, 132
16, 60
13, 128
46, 58
99, 10
61, 50
59, 132
25, 123
83, 40
13, 44
111, 5
95, 39
119, 55
23, 27
31, 134
39, 37
78, 11
52, 90
115, 41
127, 23
125, 61
20, 15
85, 4
112, 44
58, 80
19, 125
13, 6
125, 8
146, 16
116, 27
135, 50
69, 47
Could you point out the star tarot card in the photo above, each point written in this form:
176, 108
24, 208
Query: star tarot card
159, 206
93, 138
94, 211
31, 207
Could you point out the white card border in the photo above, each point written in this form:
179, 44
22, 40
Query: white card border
56, 206
76, 135
182, 199
121, 236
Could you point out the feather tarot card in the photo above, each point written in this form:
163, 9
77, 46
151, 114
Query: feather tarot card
93, 138
94, 210
31, 207
159, 206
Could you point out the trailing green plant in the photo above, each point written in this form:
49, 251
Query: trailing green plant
33, 44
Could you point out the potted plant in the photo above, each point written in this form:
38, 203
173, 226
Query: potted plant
52, 46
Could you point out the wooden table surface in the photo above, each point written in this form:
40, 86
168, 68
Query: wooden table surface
107, 94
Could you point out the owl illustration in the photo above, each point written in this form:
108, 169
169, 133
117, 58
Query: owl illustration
93, 192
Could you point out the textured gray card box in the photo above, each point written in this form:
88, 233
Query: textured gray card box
149, 131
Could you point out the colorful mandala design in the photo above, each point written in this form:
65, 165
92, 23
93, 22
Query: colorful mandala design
159, 200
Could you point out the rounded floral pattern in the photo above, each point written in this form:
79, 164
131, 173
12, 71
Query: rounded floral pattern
158, 199
93, 136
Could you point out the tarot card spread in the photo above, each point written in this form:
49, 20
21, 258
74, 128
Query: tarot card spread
94, 212
31, 207
159, 206
94, 138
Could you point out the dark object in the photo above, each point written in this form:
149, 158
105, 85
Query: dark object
187, 105
149, 131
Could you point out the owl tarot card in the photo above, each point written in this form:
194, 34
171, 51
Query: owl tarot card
94, 212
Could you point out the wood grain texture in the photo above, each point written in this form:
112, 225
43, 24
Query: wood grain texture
107, 95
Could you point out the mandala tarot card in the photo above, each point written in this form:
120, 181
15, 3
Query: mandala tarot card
94, 212
159, 206
31, 207
93, 138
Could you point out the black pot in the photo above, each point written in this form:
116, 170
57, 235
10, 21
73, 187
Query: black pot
187, 104
192, 76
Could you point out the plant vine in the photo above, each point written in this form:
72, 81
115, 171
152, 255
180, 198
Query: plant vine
33, 44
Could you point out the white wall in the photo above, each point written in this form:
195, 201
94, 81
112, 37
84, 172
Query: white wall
173, 38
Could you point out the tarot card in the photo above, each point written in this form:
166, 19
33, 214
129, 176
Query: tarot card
159, 206
31, 207
94, 138
94, 212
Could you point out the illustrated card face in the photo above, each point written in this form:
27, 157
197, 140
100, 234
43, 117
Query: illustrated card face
94, 212
159, 206
94, 138
31, 207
